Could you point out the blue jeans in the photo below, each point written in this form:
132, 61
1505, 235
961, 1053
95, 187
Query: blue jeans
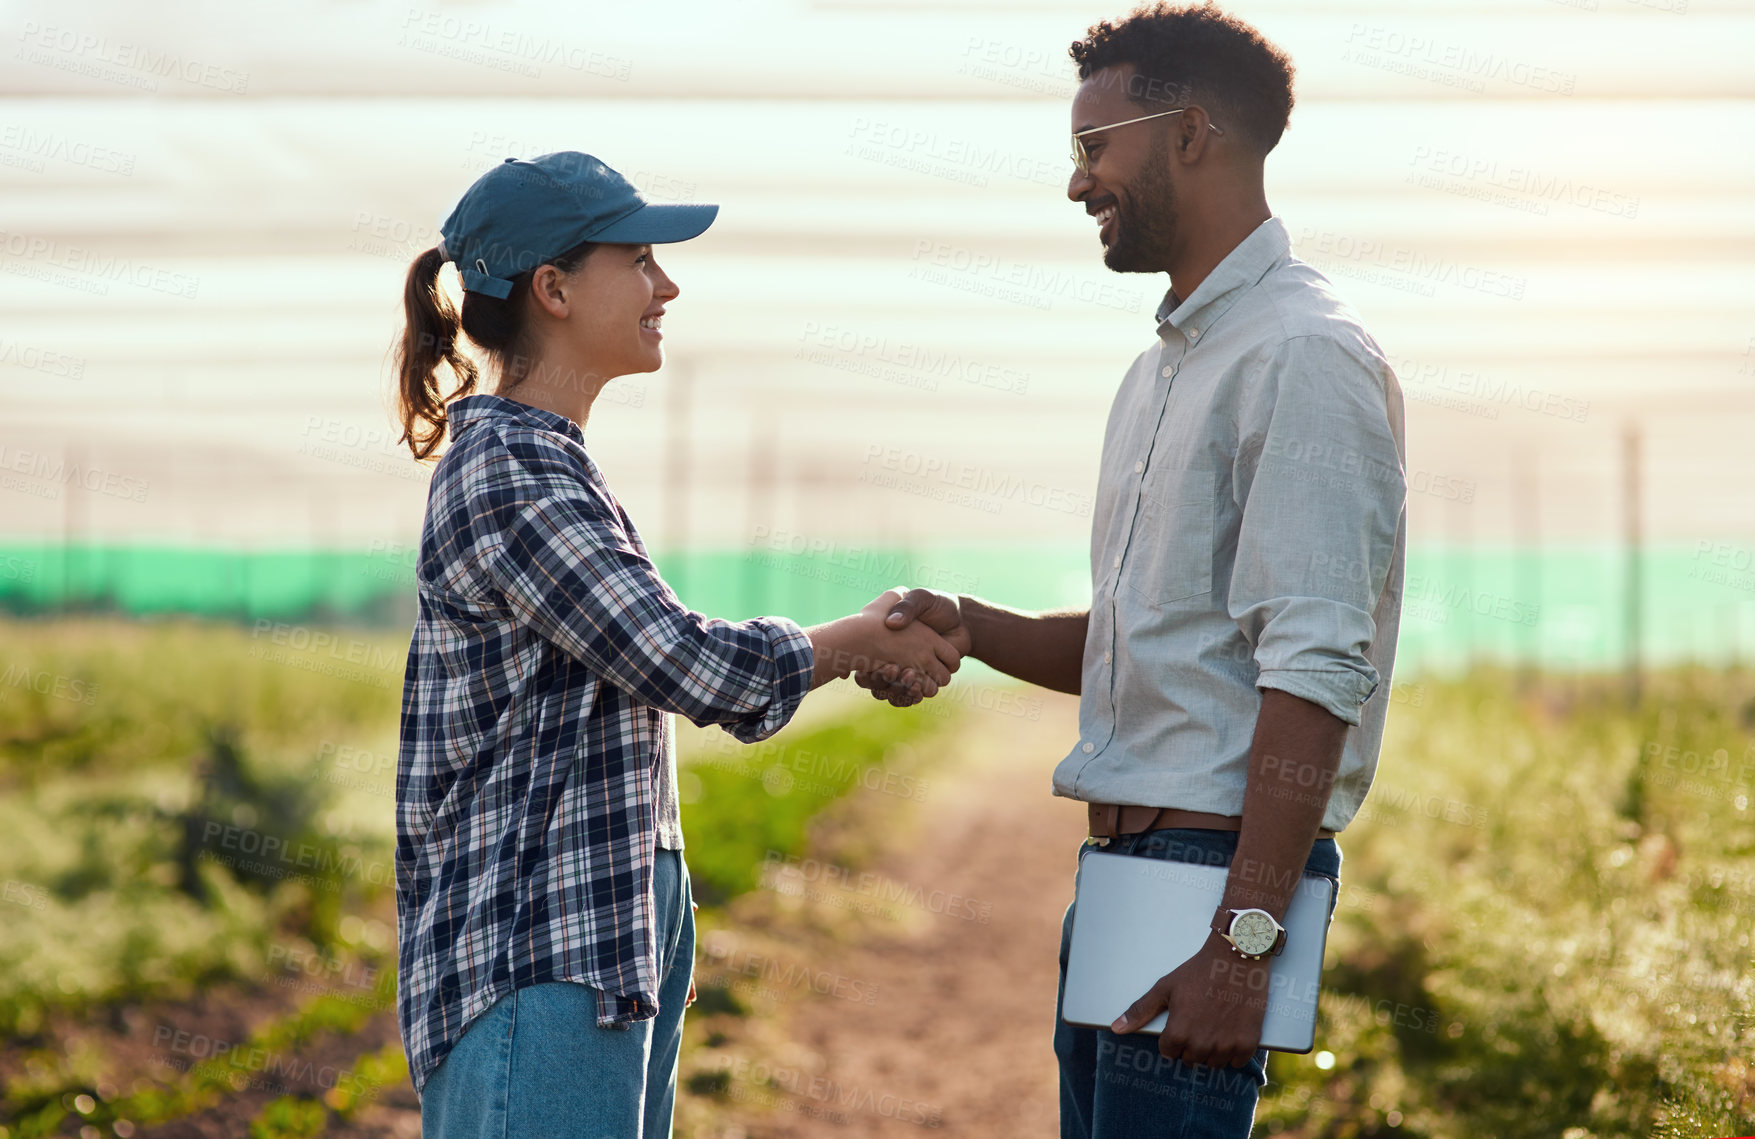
537, 1064
1119, 1087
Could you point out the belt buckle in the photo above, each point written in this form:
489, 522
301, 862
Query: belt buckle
1095, 840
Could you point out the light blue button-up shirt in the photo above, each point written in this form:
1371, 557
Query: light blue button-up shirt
1248, 533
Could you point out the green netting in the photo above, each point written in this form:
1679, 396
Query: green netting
1561, 607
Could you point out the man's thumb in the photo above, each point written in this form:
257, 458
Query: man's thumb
903, 612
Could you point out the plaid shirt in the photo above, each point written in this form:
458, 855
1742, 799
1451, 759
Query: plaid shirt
536, 776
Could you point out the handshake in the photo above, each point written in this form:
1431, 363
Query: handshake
902, 647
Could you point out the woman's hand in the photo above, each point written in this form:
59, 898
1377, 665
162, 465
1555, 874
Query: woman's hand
864, 642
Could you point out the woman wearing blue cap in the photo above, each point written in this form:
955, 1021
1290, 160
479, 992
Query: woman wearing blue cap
546, 933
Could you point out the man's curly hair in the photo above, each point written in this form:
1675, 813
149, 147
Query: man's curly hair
1200, 54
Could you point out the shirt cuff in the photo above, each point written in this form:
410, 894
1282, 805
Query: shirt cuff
794, 662
617, 1011
1341, 692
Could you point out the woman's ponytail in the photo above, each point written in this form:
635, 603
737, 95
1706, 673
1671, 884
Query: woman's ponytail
428, 339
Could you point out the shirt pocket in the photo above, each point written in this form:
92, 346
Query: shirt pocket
1170, 557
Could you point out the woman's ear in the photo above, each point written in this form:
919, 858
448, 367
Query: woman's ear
548, 288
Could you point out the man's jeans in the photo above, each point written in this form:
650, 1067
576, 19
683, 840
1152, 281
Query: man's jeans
1118, 1087
537, 1064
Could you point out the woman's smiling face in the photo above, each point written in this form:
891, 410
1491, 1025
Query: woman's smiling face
609, 309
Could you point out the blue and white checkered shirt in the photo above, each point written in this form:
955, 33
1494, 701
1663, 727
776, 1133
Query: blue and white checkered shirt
537, 774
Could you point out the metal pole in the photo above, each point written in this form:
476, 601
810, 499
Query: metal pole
1526, 514
759, 504
72, 515
1634, 597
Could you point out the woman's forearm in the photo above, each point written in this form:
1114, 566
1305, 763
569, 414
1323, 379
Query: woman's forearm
832, 644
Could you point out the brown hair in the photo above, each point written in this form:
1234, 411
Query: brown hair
429, 338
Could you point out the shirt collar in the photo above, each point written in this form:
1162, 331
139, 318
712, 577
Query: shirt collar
465, 410
1245, 265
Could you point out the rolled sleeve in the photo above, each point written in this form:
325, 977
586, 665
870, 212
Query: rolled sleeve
1321, 484
570, 572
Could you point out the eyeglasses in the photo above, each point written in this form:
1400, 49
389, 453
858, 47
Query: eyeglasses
1083, 160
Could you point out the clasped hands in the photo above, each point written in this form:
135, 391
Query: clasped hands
902, 647
914, 612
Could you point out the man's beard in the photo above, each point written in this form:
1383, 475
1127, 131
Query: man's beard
1145, 217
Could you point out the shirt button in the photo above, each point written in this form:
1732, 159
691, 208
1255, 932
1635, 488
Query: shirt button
1089, 748
1194, 334
1117, 561
1105, 658
1139, 466
1167, 372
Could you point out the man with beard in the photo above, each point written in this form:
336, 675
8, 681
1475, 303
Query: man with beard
1233, 666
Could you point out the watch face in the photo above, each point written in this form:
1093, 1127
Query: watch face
1253, 932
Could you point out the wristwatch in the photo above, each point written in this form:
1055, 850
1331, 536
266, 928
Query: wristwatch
1253, 933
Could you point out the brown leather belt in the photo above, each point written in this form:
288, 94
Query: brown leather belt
1110, 820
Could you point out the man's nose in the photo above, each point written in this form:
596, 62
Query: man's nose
1079, 185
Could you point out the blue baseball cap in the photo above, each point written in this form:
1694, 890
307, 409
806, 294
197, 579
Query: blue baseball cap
522, 213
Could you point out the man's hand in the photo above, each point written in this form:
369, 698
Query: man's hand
940, 612
921, 660
1217, 1000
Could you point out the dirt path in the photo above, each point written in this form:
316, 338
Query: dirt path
957, 1037
930, 1011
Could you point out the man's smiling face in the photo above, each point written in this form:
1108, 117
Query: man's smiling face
1128, 187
